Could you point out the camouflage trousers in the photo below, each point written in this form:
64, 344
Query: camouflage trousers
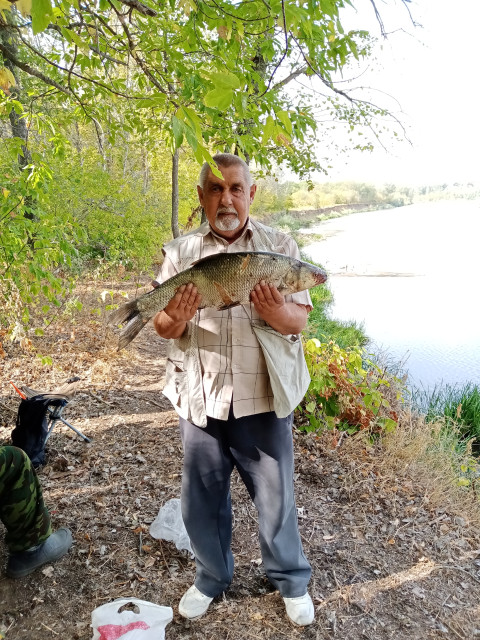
22, 509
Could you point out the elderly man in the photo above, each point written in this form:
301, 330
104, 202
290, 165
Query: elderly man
29, 536
216, 368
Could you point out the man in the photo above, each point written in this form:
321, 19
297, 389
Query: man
29, 536
218, 382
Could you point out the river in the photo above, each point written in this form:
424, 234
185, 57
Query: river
411, 276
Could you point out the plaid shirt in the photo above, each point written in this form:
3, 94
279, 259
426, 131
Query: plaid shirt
232, 363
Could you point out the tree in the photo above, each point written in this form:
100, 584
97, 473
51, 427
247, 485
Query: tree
212, 73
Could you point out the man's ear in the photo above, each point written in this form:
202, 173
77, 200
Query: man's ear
200, 194
253, 190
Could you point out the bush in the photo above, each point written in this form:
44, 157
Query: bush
347, 392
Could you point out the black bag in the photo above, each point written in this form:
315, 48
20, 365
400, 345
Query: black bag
31, 428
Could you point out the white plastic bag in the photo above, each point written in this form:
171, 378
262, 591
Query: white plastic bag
168, 525
130, 619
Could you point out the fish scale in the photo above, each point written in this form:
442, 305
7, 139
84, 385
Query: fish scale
223, 280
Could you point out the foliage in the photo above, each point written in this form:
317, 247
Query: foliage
347, 392
208, 74
122, 225
35, 241
460, 405
330, 194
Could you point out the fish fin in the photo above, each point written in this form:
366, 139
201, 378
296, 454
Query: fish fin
225, 296
245, 262
124, 313
223, 307
132, 329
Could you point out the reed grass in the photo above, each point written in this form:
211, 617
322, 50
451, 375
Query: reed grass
458, 404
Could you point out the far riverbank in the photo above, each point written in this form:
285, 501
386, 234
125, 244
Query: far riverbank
297, 218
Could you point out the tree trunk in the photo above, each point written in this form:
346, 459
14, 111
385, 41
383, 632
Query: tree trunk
17, 123
146, 170
175, 229
77, 142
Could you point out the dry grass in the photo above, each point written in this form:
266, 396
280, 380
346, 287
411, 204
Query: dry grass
425, 453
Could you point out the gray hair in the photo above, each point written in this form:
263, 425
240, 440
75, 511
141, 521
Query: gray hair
225, 160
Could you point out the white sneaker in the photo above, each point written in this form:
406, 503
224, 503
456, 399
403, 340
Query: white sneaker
300, 610
193, 603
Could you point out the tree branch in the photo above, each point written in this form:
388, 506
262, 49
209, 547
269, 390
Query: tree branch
141, 8
289, 78
31, 70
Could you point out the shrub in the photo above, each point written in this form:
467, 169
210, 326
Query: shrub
347, 391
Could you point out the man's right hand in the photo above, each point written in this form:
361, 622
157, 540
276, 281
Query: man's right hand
184, 304
171, 322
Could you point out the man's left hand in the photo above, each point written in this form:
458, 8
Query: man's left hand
267, 300
284, 317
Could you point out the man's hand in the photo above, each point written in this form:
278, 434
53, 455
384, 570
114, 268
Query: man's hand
284, 317
184, 304
171, 322
267, 299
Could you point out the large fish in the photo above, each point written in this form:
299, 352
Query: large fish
223, 280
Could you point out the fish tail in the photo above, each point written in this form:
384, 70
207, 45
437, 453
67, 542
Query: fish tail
131, 314
132, 329
124, 313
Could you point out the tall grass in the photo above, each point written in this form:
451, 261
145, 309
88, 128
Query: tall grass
460, 405
344, 333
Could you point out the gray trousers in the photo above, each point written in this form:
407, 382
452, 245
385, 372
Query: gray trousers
261, 448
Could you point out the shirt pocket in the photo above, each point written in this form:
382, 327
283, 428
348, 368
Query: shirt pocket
176, 386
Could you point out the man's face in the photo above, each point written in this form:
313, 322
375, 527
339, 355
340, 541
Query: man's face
227, 202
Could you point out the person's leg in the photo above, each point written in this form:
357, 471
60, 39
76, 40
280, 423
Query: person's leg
29, 537
262, 446
206, 503
22, 509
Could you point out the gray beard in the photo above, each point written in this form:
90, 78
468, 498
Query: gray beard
227, 224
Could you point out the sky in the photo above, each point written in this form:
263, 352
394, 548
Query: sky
432, 72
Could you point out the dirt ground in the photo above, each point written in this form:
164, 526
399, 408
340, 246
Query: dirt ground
388, 563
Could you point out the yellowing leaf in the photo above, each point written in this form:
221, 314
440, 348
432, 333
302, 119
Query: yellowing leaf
6, 79
283, 139
4, 4
25, 7
187, 6
223, 32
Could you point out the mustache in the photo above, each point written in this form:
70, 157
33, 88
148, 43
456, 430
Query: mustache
226, 210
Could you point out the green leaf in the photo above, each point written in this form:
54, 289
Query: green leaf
227, 81
42, 13
285, 120
387, 424
219, 98
194, 120
72, 36
177, 127
268, 130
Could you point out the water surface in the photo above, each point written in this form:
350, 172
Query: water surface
411, 275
